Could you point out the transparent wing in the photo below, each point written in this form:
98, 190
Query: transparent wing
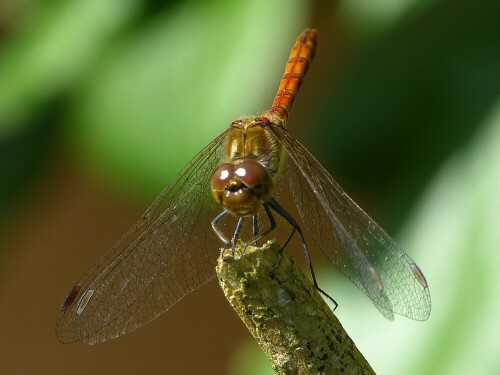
168, 253
351, 239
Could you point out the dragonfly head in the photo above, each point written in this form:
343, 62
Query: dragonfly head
242, 186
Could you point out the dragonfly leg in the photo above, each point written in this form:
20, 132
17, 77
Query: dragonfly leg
285, 215
255, 225
236, 235
223, 238
219, 233
258, 236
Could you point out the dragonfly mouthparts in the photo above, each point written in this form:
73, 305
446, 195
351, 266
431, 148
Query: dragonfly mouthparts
234, 186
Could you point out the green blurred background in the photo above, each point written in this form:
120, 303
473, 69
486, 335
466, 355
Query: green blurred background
102, 102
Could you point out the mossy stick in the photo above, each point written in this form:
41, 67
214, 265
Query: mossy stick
285, 313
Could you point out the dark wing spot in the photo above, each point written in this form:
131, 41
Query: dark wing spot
70, 297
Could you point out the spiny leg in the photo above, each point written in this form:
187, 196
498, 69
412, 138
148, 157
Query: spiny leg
285, 215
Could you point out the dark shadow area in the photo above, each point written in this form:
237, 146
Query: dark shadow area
409, 102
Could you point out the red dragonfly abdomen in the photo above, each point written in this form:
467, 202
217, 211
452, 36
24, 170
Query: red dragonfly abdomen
300, 58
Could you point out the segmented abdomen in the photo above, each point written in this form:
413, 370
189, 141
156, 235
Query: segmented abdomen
296, 67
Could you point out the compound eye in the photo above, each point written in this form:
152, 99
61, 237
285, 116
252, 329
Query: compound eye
222, 175
252, 173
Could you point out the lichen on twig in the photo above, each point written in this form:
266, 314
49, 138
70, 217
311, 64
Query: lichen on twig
285, 313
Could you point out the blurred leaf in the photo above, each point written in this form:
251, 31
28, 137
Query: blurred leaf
454, 236
457, 230
374, 17
164, 93
51, 52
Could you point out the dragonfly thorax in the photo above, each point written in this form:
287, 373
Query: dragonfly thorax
241, 186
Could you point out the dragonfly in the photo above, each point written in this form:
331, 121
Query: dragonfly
230, 192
